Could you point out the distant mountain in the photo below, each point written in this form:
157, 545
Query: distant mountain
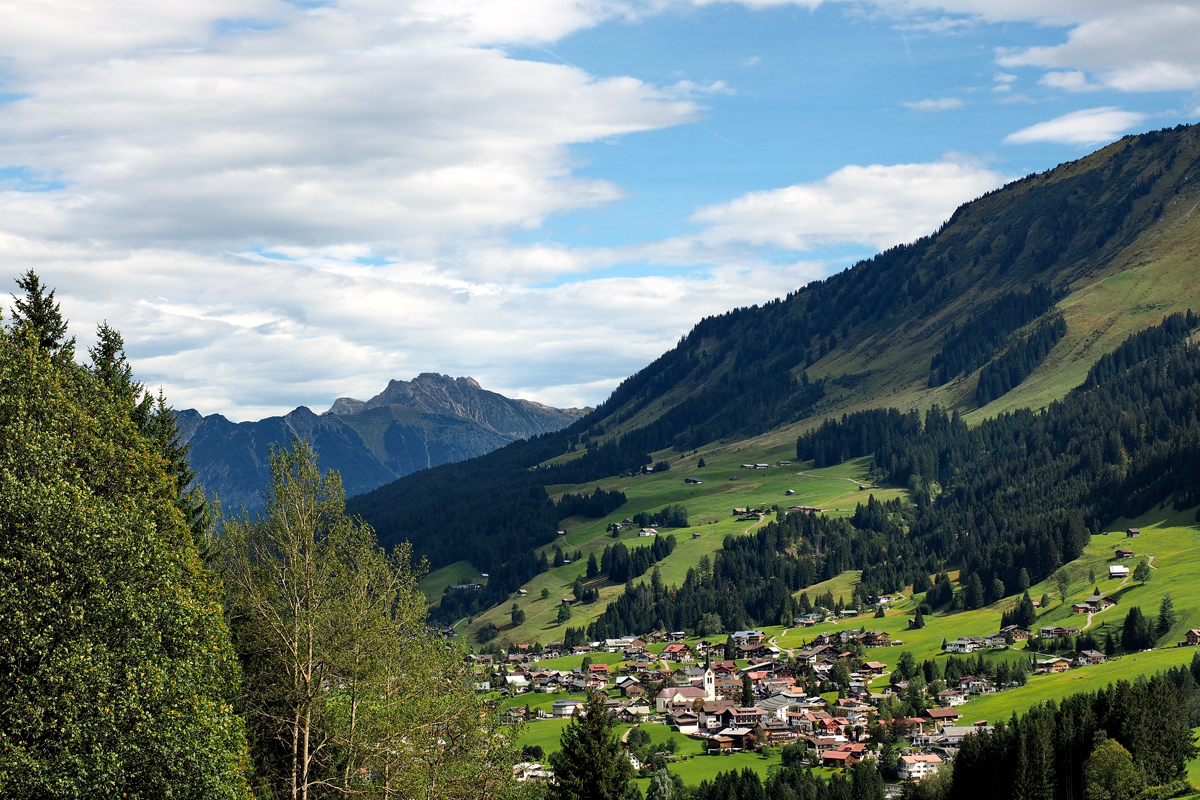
411, 425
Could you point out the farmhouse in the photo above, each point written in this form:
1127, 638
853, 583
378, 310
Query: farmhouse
1133, 533
962, 646
692, 480
1118, 571
1123, 552
1193, 637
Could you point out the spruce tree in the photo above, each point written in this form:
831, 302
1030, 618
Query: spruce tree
1166, 615
590, 764
747, 691
38, 311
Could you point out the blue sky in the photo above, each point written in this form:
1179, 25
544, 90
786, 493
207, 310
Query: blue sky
280, 203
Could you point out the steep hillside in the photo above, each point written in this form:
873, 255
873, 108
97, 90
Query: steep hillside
409, 426
1103, 247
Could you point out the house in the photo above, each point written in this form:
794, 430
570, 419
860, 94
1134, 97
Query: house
953, 735
762, 466
1055, 631
942, 714
720, 744
566, 708
1193, 637
562, 533
1116, 571
1018, 633
695, 535
1053, 665
951, 697
1133, 533
682, 694
633, 689
687, 723
790, 493
839, 758
783, 463
1123, 552
1088, 658
995, 640
962, 646
743, 738
876, 639
872, 668
916, 767
747, 638
522, 592
1098, 602
677, 651
647, 532
692, 481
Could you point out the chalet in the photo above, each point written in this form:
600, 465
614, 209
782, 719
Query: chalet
942, 714
467, 587
790, 493
647, 532
1055, 631
676, 651
916, 767
1088, 658
1016, 631
1053, 665
951, 697
804, 510
692, 481
783, 463
872, 668
522, 592
719, 744
774, 731
1118, 571
687, 723
876, 639
962, 646
1192, 637
1133, 533
762, 466
712, 712
566, 708
953, 735
562, 533
744, 717
824, 744
995, 640
839, 758
744, 638
743, 738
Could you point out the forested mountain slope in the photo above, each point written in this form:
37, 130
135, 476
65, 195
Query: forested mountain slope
411, 425
1030, 284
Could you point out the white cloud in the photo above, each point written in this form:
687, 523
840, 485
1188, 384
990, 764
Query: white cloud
1004, 78
941, 104
1135, 47
1073, 81
1086, 127
874, 205
752, 61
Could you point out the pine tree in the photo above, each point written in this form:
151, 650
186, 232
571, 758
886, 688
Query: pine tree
590, 764
593, 568
919, 620
38, 311
1166, 615
747, 692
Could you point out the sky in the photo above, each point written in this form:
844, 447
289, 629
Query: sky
281, 203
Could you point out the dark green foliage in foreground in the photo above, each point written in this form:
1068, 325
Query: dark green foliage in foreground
985, 332
1041, 755
1008, 370
117, 673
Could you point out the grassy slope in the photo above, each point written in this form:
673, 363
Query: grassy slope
710, 506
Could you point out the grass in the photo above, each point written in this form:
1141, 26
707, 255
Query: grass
710, 506
433, 584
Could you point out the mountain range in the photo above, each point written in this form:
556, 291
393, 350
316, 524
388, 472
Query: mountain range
411, 425
1023, 289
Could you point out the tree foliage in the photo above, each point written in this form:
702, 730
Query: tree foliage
590, 764
116, 663
347, 689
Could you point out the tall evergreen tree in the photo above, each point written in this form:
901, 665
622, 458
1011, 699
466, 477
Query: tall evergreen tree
590, 764
41, 314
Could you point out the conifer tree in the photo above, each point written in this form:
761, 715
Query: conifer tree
41, 314
590, 764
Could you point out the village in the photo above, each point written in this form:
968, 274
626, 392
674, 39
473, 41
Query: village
827, 701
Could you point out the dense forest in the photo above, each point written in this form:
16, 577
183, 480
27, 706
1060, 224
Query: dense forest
744, 372
1008, 370
972, 345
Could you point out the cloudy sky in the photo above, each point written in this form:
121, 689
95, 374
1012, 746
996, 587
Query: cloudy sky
279, 203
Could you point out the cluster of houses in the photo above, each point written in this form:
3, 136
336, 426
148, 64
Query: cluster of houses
704, 696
